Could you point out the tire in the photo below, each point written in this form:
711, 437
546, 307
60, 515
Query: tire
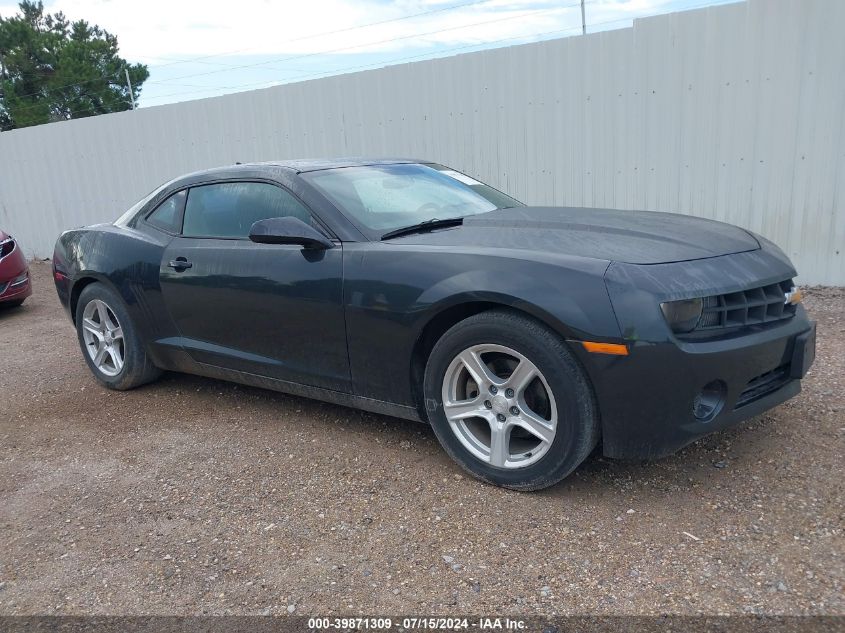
557, 397
135, 368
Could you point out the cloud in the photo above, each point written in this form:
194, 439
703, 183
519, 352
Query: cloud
156, 31
198, 49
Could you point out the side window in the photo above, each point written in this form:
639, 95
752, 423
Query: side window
168, 215
230, 209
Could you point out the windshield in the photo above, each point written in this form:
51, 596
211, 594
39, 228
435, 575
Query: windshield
381, 198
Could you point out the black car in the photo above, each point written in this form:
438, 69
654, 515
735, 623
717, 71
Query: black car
524, 335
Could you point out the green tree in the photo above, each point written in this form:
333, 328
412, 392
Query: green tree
52, 69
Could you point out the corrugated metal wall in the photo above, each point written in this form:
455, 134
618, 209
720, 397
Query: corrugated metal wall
734, 112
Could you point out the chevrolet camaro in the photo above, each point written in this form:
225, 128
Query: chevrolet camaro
526, 336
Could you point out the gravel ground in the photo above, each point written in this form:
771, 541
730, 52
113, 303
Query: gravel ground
193, 496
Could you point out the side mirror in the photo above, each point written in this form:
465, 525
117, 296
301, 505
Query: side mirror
288, 230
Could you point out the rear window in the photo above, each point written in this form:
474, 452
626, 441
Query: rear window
128, 217
168, 215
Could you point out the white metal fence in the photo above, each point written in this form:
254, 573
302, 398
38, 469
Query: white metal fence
734, 112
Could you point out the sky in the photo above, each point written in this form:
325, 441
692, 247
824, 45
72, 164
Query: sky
201, 49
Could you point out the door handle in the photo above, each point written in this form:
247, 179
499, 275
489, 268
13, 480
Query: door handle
179, 264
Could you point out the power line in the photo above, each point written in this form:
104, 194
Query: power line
325, 33
391, 62
386, 63
366, 44
351, 28
439, 53
426, 56
381, 63
429, 55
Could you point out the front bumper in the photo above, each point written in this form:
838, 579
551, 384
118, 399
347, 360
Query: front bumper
647, 398
15, 282
16, 288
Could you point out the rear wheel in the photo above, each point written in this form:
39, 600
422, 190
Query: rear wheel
109, 340
509, 402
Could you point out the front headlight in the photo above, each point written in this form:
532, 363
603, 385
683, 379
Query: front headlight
6, 247
683, 315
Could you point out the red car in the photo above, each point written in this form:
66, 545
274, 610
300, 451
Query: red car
15, 285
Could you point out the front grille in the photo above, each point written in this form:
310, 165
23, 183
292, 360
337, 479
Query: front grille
4, 286
763, 385
764, 304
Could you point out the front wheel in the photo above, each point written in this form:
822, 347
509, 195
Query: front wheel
509, 402
109, 341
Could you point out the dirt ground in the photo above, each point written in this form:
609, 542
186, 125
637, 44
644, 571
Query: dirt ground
193, 496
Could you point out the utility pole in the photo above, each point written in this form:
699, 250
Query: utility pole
2, 80
4, 98
129, 84
583, 20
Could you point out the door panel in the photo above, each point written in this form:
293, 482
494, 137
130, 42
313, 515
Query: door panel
268, 309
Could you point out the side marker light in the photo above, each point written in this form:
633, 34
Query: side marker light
615, 349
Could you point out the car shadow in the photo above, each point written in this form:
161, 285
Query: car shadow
7, 313
711, 456
711, 461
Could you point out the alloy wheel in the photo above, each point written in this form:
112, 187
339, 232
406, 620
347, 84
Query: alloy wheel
499, 406
103, 337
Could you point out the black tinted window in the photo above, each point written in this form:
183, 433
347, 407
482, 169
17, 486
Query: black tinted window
168, 215
230, 209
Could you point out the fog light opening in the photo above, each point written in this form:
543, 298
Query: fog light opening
709, 401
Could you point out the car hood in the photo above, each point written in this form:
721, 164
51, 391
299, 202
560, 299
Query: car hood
634, 237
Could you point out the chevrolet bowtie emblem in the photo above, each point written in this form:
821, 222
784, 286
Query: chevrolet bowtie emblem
793, 297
